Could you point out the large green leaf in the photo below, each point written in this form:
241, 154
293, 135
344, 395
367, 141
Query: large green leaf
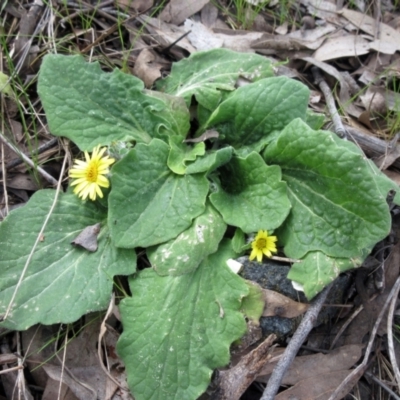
252, 195
318, 270
148, 203
184, 253
255, 111
384, 183
177, 329
182, 154
210, 161
62, 282
93, 107
338, 208
205, 73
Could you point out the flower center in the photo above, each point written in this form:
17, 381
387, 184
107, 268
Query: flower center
261, 243
92, 173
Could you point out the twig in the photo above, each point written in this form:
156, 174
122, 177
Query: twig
294, 345
330, 102
18, 161
103, 330
6, 371
382, 385
337, 394
41, 171
390, 337
285, 259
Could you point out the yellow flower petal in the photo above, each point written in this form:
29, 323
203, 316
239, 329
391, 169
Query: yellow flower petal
263, 245
89, 176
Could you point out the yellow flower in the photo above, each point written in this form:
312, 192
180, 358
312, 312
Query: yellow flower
89, 174
263, 244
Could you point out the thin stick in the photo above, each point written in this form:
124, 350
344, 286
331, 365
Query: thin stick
62, 366
103, 330
294, 345
42, 172
330, 102
337, 393
6, 371
39, 236
382, 385
46, 146
285, 259
390, 337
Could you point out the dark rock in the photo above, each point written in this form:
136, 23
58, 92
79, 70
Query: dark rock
272, 275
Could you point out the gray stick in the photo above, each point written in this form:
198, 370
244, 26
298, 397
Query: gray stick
294, 345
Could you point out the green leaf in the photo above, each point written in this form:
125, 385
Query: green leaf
239, 242
252, 195
148, 203
383, 183
177, 329
175, 112
253, 304
4, 85
314, 120
259, 109
184, 253
211, 161
181, 154
337, 207
318, 270
93, 107
62, 282
205, 73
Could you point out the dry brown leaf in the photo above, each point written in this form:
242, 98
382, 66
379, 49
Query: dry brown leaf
146, 68
277, 304
81, 390
166, 34
389, 40
234, 381
23, 182
54, 390
177, 11
380, 100
344, 46
282, 29
308, 367
323, 9
88, 237
135, 5
316, 388
313, 38
209, 15
203, 38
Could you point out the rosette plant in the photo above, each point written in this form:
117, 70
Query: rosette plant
253, 159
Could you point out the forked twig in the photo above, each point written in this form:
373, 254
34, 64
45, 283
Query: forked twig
294, 345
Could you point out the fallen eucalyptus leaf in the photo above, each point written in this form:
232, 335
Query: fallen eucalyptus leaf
88, 237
